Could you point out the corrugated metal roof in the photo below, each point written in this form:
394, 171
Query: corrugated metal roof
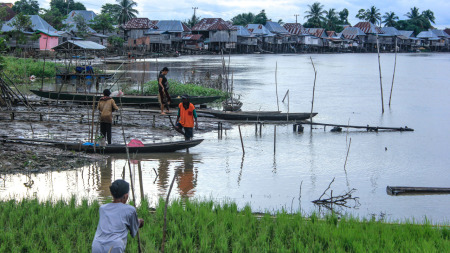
88, 16
138, 23
52, 34
37, 24
368, 27
352, 32
193, 37
274, 27
79, 45
242, 31
427, 35
259, 30
172, 26
294, 28
318, 32
440, 33
212, 24
390, 31
408, 34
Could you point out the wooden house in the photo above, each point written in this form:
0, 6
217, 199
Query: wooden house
219, 35
355, 36
265, 39
167, 35
193, 42
246, 42
372, 31
134, 32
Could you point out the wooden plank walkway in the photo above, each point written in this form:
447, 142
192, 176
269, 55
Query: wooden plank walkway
410, 190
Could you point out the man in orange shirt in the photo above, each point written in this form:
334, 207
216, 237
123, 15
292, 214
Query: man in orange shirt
185, 118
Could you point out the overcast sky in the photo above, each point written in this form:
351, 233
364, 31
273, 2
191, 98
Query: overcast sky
275, 9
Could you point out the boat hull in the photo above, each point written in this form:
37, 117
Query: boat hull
259, 116
125, 99
162, 147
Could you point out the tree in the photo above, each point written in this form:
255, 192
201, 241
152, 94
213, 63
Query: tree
413, 14
243, 19
428, 14
54, 17
373, 15
193, 21
21, 23
315, 15
261, 18
390, 19
331, 19
361, 15
127, 11
280, 21
103, 22
66, 6
82, 26
30, 7
113, 10
343, 17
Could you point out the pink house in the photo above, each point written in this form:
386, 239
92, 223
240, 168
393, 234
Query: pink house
48, 40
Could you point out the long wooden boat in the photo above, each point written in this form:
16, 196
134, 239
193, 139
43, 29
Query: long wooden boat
258, 115
125, 99
161, 147
410, 190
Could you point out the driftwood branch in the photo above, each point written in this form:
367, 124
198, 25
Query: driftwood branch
340, 200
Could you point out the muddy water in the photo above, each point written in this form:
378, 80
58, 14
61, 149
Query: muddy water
299, 167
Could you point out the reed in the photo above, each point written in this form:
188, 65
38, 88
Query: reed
206, 226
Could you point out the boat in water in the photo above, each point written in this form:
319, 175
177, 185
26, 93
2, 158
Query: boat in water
124, 99
258, 115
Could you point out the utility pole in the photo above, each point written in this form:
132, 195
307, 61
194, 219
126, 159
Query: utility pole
194, 8
296, 15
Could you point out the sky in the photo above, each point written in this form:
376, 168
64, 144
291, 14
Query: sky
275, 9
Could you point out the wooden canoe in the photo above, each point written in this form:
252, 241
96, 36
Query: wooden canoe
161, 147
258, 115
126, 99
409, 190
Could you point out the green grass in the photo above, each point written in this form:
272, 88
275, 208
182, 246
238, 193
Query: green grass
20, 69
32, 226
177, 88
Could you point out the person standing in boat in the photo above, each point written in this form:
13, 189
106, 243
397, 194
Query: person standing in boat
106, 106
116, 219
163, 93
186, 117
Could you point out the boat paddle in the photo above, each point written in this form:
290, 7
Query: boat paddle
174, 127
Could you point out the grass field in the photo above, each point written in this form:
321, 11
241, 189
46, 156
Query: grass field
31, 226
178, 88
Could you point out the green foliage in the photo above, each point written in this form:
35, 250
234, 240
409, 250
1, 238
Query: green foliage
315, 15
26, 7
20, 69
260, 18
243, 19
178, 89
127, 10
192, 21
193, 226
81, 25
116, 41
331, 20
103, 22
66, 6
343, 17
390, 19
371, 15
54, 17
417, 22
113, 10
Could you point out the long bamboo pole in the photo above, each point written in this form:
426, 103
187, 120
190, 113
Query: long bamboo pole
381, 81
314, 89
276, 84
393, 75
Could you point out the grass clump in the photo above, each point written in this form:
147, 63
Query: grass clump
177, 88
20, 69
206, 226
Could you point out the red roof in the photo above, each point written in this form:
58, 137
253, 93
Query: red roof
294, 28
193, 37
212, 24
138, 23
447, 31
315, 31
368, 27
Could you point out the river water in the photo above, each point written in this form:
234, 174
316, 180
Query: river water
297, 169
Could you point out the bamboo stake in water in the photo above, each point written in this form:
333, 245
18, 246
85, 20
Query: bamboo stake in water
314, 89
274, 139
276, 84
393, 75
381, 82
348, 151
242, 142
165, 213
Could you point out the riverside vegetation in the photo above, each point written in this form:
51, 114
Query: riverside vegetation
178, 88
204, 226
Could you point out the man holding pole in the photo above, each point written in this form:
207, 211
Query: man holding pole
186, 117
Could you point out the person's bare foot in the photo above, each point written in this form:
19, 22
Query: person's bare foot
163, 113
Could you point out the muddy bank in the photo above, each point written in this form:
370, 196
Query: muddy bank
22, 158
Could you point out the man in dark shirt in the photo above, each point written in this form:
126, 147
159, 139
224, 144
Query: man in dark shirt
163, 87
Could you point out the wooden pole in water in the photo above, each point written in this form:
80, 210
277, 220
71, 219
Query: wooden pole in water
348, 151
381, 81
393, 75
242, 142
314, 89
274, 139
276, 84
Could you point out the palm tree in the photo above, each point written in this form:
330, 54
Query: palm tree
373, 15
343, 16
243, 19
414, 14
126, 10
428, 14
315, 15
332, 19
390, 19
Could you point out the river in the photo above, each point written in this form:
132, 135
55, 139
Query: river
297, 170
